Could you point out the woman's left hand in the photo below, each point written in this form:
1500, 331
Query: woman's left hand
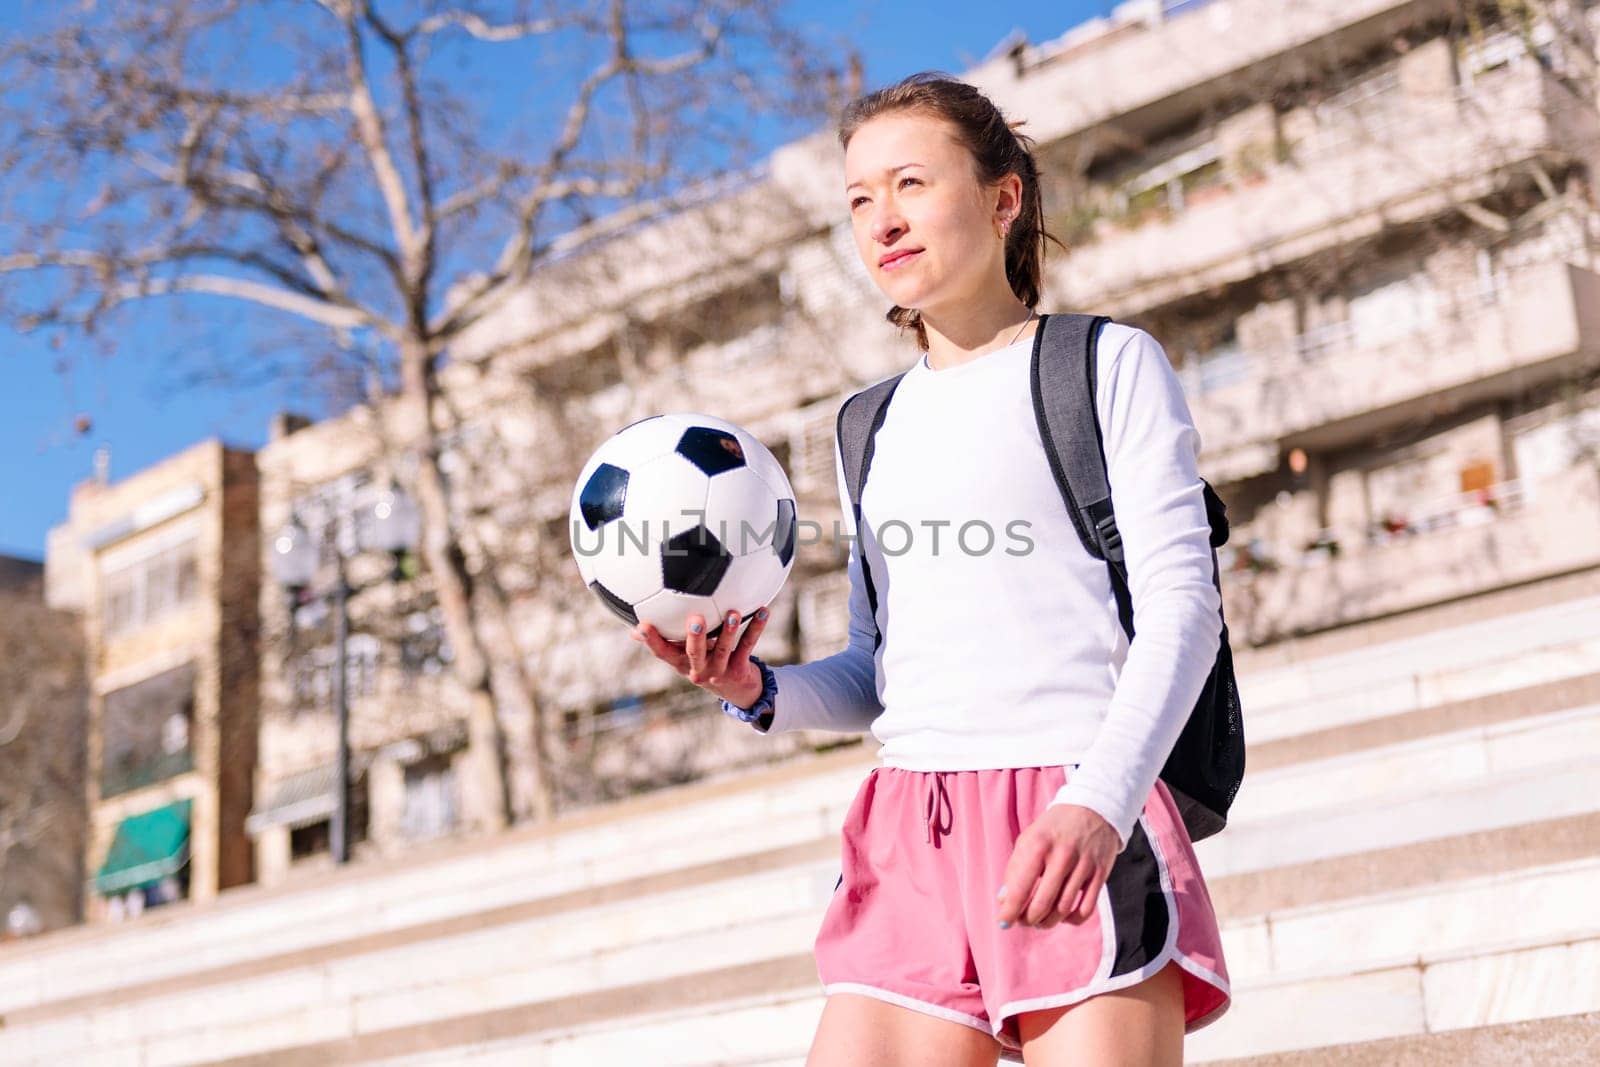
1065, 855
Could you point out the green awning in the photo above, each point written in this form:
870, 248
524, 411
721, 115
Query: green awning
146, 849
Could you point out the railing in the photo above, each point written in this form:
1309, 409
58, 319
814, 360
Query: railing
1205, 372
124, 778
1471, 508
1445, 512
1375, 111
632, 713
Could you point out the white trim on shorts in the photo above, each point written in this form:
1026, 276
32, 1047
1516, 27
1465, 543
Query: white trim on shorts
1205, 974
1168, 954
923, 1006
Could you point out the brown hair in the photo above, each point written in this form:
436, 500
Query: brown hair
997, 150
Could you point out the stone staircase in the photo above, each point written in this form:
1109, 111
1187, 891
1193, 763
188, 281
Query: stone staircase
1411, 874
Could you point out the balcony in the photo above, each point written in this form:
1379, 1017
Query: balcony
1405, 157
1143, 70
1527, 533
129, 774
1333, 387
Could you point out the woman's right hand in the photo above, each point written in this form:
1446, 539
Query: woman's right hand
724, 669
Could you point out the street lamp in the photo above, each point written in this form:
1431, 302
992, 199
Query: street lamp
394, 528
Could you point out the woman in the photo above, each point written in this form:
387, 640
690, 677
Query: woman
1016, 882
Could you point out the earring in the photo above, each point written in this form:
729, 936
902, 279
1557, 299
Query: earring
1005, 228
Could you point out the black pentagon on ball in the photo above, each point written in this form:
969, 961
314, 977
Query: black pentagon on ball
694, 562
711, 450
619, 607
783, 533
603, 495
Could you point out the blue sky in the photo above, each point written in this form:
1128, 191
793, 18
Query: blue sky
144, 408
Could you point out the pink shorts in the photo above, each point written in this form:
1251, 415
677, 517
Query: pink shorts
912, 920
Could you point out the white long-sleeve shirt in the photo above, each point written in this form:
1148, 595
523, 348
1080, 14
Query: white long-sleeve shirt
1003, 648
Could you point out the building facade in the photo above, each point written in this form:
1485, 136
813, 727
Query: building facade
43, 723
163, 568
409, 767
1364, 235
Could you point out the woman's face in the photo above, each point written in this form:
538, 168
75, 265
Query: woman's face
924, 227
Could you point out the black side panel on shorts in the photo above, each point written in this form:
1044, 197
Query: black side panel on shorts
1138, 906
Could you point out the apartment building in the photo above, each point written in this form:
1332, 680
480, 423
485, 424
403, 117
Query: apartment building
162, 566
1364, 236
410, 769
43, 716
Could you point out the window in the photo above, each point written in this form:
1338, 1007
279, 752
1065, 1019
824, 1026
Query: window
316, 838
144, 590
424, 649
1505, 48
813, 454
1221, 365
338, 500
1557, 445
309, 840
313, 671
579, 374
146, 731
1391, 310
431, 804
1168, 187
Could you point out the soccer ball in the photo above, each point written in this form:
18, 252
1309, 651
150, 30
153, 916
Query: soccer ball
680, 514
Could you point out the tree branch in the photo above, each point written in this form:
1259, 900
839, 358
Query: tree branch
482, 29
374, 139
421, 270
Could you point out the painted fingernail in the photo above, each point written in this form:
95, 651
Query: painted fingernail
761, 614
1002, 894
1005, 926
696, 628
733, 616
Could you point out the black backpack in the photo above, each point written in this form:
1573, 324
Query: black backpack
1206, 765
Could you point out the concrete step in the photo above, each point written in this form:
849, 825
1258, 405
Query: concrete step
1238, 896
590, 849
1355, 705
1413, 767
1553, 903
1535, 1003
570, 855
1406, 866
1562, 1040
1351, 823
670, 938
1392, 1015
1413, 1000
729, 922
1310, 740
1524, 605
1387, 820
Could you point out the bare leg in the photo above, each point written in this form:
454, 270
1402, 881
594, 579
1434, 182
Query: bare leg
1140, 1026
861, 1031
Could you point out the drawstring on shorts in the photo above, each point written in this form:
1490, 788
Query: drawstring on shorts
937, 797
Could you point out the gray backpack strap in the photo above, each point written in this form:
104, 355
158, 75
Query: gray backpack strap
857, 429
1063, 381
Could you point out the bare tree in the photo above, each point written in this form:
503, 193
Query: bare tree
354, 168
